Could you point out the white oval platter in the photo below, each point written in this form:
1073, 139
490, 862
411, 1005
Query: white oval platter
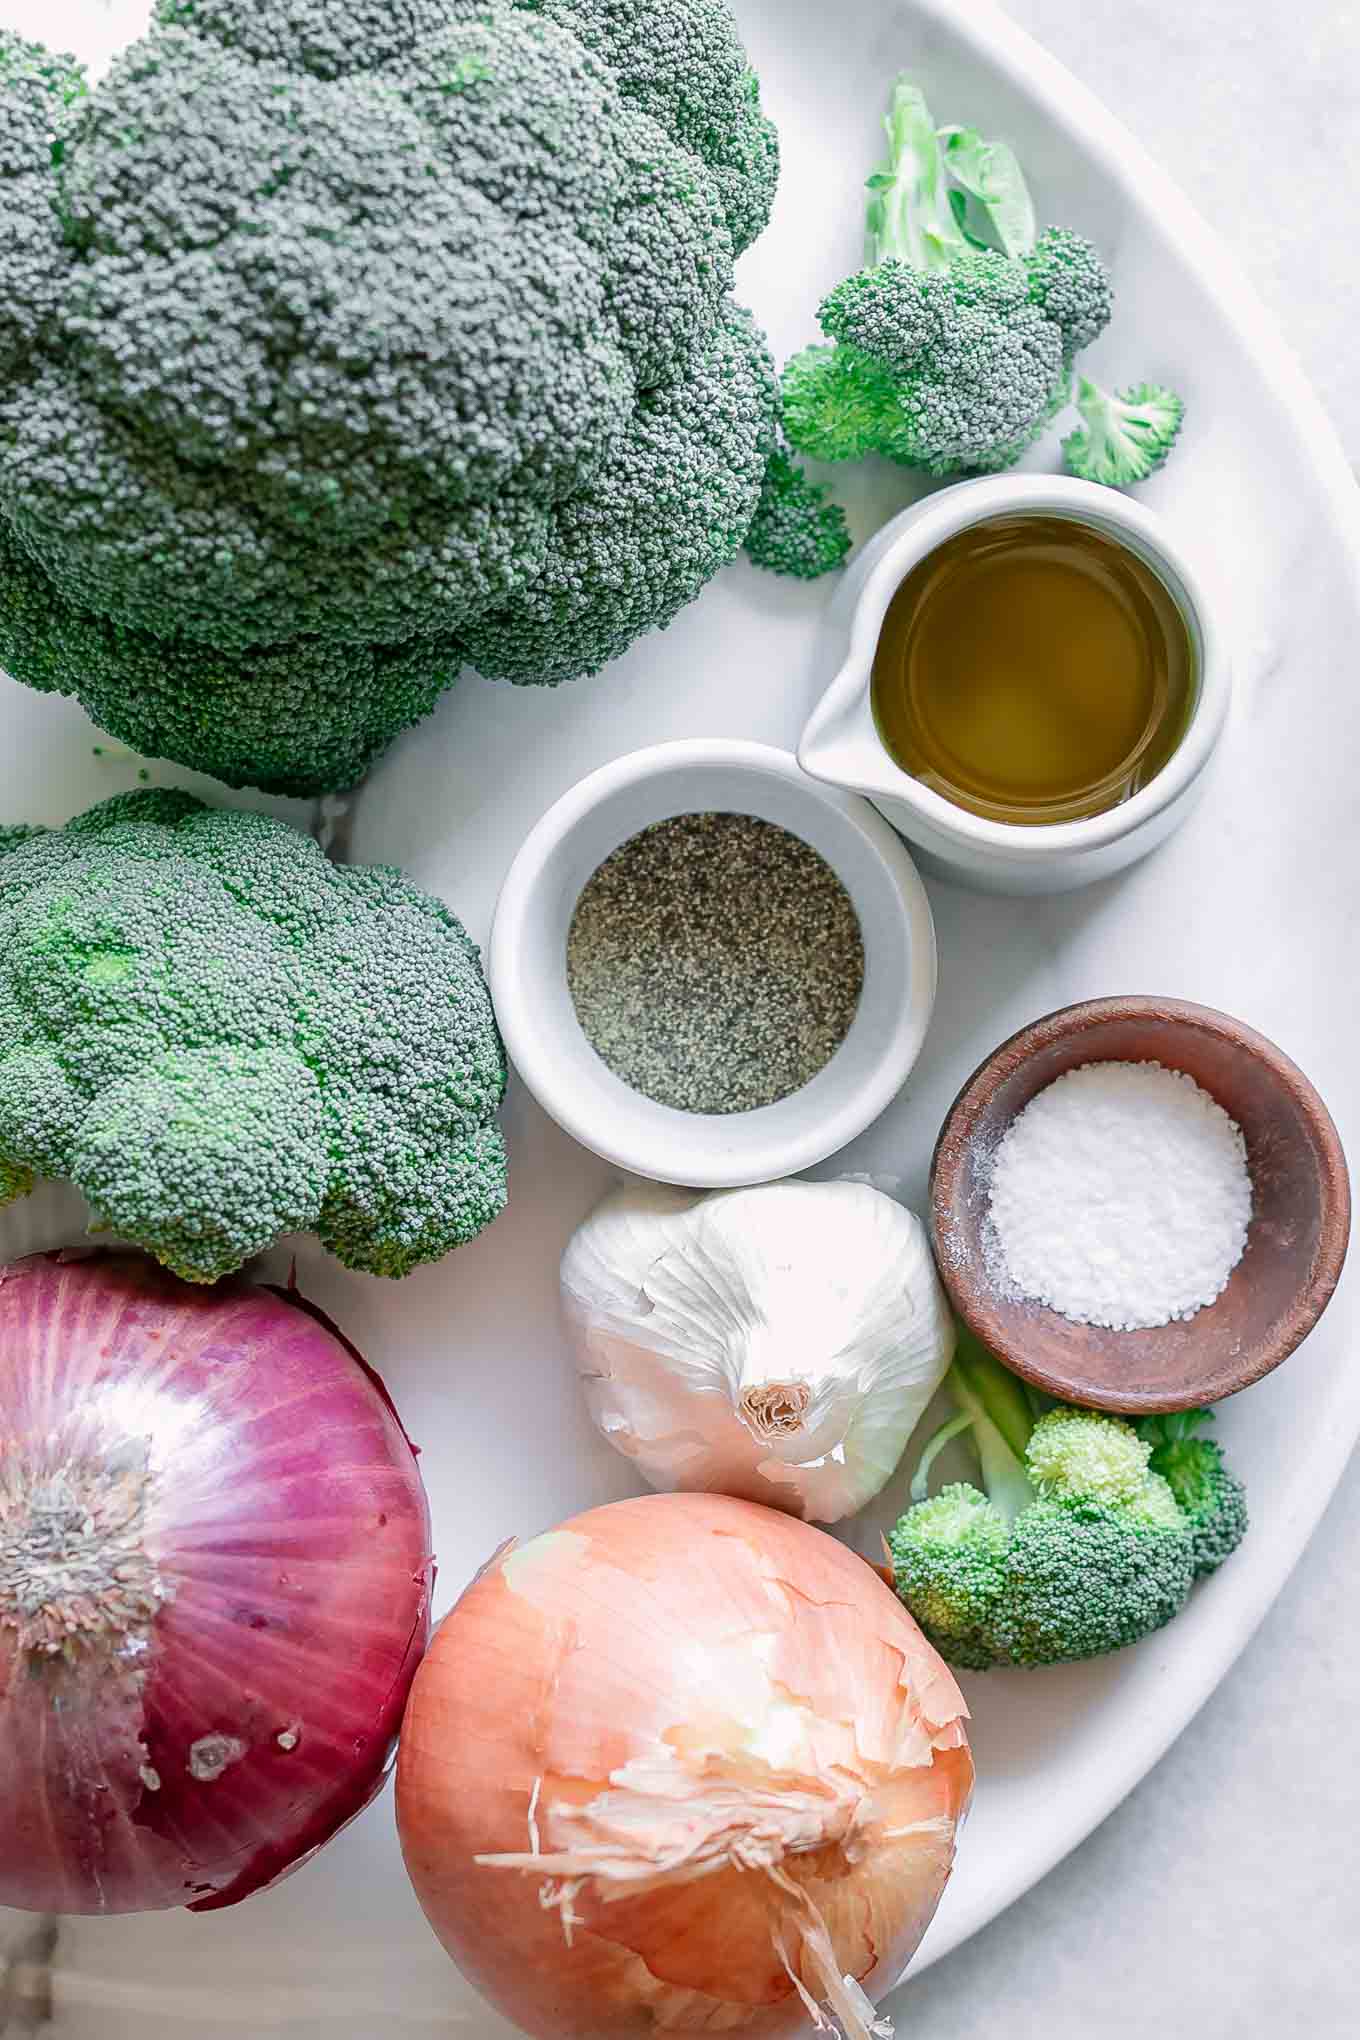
1252, 908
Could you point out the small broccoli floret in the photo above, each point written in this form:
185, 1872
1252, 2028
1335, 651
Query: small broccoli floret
949, 1563
220, 1037
893, 312
1071, 286
951, 356
1123, 438
973, 366
1208, 1493
799, 529
1082, 1542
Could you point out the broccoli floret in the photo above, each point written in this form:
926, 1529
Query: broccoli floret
1071, 286
950, 355
671, 505
949, 1566
839, 404
38, 93
973, 365
681, 62
1125, 437
1082, 1542
799, 529
1083, 1579
220, 1037
1209, 1494
342, 321
14, 833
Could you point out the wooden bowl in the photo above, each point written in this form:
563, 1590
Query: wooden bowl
1296, 1245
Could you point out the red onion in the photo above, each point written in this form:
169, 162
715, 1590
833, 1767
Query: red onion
215, 1582
683, 1765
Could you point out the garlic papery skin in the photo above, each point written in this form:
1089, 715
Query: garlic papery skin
777, 1344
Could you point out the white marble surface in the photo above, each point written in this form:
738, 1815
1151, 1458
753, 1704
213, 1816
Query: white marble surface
1223, 1897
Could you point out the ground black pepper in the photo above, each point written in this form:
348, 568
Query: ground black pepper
715, 962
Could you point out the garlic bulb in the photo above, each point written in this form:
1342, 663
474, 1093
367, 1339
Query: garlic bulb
777, 1344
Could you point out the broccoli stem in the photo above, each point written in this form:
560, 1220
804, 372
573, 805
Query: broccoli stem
909, 213
995, 1407
994, 1390
920, 1484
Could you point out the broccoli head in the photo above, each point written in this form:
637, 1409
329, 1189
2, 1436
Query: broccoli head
948, 355
1090, 1534
354, 338
219, 1037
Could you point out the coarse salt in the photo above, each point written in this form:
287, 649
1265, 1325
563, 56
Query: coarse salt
1121, 1197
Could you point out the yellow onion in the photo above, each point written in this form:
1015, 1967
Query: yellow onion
684, 1764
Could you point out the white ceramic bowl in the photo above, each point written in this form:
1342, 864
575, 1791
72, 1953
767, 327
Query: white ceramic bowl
841, 743
528, 956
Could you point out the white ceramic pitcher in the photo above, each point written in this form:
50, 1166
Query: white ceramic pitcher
841, 743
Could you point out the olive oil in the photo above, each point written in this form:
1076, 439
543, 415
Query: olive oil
1033, 670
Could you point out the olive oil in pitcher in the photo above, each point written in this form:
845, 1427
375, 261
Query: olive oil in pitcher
1033, 670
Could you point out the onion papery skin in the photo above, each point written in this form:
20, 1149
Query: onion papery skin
730, 1653
229, 1694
